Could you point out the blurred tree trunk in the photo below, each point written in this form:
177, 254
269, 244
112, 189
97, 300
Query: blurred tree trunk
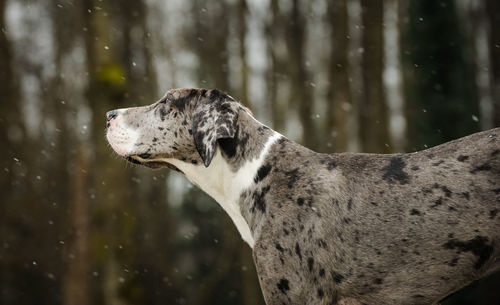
355, 44
441, 93
339, 93
106, 90
72, 152
273, 34
393, 79
135, 54
12, 135
12, 131
478, 24
11, 128
374, 131
493, 11
252, 295
76, 285
242, 33
301, 95
209, 43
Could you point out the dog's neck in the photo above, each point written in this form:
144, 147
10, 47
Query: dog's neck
233, 169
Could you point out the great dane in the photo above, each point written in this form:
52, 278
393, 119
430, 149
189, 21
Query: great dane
344, 228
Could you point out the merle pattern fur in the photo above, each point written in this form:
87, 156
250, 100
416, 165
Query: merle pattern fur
343, 228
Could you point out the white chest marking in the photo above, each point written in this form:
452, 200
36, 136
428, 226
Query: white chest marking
226, 186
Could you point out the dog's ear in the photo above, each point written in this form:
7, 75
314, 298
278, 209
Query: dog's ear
215, 117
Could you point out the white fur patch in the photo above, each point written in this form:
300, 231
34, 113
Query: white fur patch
226, 186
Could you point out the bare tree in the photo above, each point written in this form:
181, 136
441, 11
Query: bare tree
339, 93
242, 11
374, 131
274, 31
493, 10
301, 94
11, 136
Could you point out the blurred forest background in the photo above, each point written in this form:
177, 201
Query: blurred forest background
80, 226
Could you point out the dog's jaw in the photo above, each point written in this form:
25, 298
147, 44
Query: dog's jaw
225, 185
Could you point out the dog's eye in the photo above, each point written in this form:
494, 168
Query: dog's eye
163, 101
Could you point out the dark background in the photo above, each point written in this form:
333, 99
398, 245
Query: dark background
79, 226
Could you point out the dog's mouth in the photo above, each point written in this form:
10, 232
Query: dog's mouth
143, 159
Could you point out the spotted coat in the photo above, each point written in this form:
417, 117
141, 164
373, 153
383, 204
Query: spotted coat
330, 228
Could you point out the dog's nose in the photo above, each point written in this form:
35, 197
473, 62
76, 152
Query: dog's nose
111, 114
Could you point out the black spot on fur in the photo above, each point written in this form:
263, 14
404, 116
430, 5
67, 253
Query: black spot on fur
378, 281
337, 277
466, 195
394, 171
322, 243
417, 296
310, 263
446, 191
181, 103
483, 167
320, 293
462, 158
453, 262
322, 272
292, 176
415, 168
283, 285
258, 199
415, 212
437, 202
279, 248
478, 246
262, 172
493, 213
300, 201
228, 146
297, 250
495, 152
331, 165
163, 113
349, 204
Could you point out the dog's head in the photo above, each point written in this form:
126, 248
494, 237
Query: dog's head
185, 124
